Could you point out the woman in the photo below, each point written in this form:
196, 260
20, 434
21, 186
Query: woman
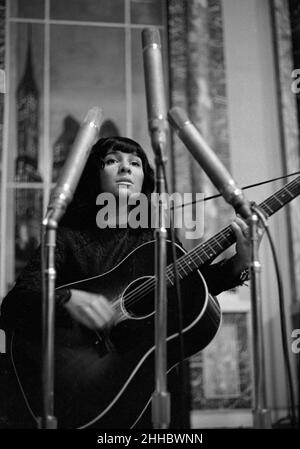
83, 250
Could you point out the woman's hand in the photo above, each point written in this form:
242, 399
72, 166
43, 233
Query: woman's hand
92, 310
242, 258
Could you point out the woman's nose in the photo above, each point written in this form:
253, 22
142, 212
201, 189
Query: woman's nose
125, 167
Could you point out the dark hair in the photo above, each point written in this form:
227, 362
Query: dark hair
83, 209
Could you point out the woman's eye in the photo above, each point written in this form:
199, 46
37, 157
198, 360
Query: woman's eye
110, 161
137, 164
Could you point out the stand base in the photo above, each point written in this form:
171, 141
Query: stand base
262, 419
161, 410
49, 423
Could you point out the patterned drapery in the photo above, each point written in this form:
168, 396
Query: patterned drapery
198, 85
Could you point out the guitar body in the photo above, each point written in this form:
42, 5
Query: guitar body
106, 381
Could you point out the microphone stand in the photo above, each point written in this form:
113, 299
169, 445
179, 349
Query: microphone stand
156, 111
49, 226
61, 197
261, 415
160, 397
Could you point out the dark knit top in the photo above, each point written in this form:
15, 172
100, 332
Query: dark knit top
80, 254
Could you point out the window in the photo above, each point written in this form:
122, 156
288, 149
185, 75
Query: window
63, 58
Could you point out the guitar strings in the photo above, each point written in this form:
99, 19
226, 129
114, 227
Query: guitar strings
140, 292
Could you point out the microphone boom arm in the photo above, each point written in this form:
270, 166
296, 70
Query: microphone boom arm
209, 161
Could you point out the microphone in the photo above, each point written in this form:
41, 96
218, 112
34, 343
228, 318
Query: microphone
154, 85
69, 177
208, 160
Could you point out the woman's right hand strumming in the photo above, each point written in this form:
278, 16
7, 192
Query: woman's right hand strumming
90, 309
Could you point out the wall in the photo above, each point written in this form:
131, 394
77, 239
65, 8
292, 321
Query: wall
256, 155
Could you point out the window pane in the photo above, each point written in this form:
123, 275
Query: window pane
87, 70
221, 373
148, 12
33, 9
139, 108
28, 204
26, 109
91, 10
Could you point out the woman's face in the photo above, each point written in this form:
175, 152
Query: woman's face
122, 174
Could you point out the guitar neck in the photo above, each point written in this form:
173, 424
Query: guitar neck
206, 252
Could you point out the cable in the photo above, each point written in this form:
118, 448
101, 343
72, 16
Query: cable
282, 317
250, 186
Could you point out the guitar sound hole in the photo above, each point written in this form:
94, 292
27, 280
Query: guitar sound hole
138, 298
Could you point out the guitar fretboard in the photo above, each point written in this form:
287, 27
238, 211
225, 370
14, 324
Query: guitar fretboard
209, 250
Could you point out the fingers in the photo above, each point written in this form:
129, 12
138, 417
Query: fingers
102, 310
237, 230
240, 225
87, 318
94, 311
240, 229
97, 318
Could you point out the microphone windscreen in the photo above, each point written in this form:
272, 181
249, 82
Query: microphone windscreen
150, 36
177, 118
94, 116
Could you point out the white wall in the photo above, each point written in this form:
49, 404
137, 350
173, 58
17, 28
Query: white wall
256, 156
